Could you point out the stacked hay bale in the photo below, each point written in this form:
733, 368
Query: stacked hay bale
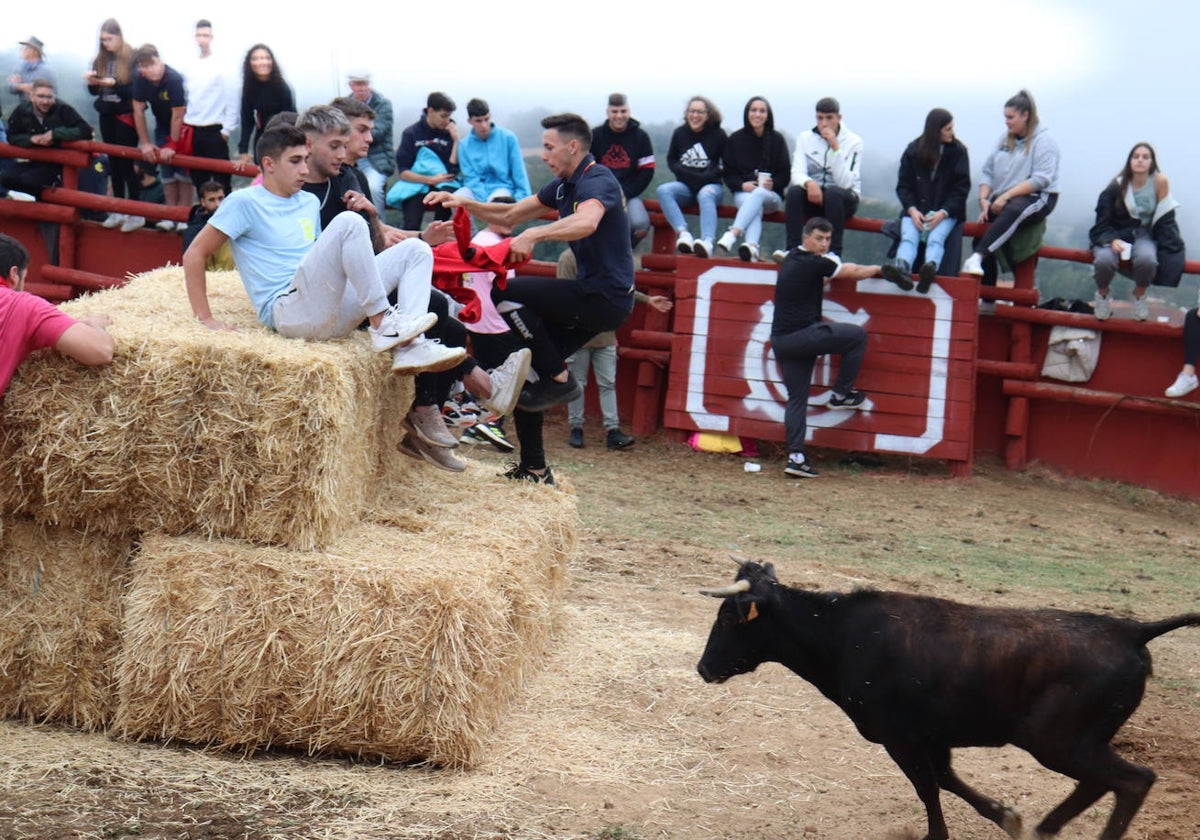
296, 581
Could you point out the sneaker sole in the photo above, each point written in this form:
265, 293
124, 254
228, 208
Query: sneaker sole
433, 367
800, 474
412, 450
846, 407
521, 375
383, 343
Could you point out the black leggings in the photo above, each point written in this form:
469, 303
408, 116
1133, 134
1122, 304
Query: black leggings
125, 183
491, 350
1191, 337
434, 388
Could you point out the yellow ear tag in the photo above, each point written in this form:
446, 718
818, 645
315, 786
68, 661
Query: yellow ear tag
752, 613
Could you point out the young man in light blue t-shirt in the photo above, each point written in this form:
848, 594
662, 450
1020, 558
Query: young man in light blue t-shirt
309, 283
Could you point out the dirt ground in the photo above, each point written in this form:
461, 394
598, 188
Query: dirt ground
617, 738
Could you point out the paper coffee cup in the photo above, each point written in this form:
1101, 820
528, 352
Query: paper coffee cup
763, 177
1127, 251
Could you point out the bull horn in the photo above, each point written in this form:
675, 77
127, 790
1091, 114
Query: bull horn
738, 560
727, 591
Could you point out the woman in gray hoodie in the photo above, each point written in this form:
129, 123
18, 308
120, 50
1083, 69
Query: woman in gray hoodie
1019, 184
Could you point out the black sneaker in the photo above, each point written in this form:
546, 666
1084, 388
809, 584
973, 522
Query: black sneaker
616, 439
854, 399
547, 393
804, 470
928, 274
516, 472
575, 439
898, 272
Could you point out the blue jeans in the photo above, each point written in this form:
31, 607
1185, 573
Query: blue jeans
675, 194
376, 181
751, 206
935, 243
639, 219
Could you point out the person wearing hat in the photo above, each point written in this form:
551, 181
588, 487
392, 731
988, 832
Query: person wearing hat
379, 162
33, 66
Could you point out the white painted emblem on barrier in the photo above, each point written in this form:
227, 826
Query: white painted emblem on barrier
762, 372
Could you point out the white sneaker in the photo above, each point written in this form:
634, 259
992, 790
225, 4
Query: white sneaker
726, 242
702, 248
425, 355
1141, 308
507, 381
180, 227
1102, 306
113, 220
973, 265
132, 223
684, 242
1183, 385
426, 423
165, 225
17, 195
748, 252
779, 255
397, 328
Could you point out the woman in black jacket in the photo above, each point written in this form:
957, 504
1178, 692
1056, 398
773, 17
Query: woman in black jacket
758, 168
935, 177
1136, 232
264, 94
110, 80
694, 156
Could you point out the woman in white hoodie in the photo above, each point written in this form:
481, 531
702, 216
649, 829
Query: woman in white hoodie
1019, 184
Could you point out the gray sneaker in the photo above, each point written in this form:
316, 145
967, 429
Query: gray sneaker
1102, 307
1141, 308
426, 355
426, 423
442, 458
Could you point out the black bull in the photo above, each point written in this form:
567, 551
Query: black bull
922, 676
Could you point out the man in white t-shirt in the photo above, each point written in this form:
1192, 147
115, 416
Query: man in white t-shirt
213, 102
314, 284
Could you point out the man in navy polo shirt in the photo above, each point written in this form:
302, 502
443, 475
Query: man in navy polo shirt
556, 317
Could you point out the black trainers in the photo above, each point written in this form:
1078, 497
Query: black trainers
489, 433
516, 472
854, 399
616, 439
898, 272
804, 470
547, 393
575, 439
927, 273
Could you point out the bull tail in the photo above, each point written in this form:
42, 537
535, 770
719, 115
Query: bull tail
1153, 629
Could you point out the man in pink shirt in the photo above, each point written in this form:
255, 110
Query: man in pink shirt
28, 323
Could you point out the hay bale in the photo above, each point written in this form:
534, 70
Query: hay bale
399, 641
60, 622
245, 434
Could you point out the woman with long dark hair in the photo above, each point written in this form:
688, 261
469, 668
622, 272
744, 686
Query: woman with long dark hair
110, 80
1136, 230
1019, 186
935, 177
758, 169
695, 156
264, 94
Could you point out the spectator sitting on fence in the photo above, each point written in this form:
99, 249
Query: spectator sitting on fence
1186, 381
1019, 186
934, 180
42, 122
758, 169
621, 144
1136, 232
694, 156
799, 335
31, 323
489, 158
437, 132
826, 176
